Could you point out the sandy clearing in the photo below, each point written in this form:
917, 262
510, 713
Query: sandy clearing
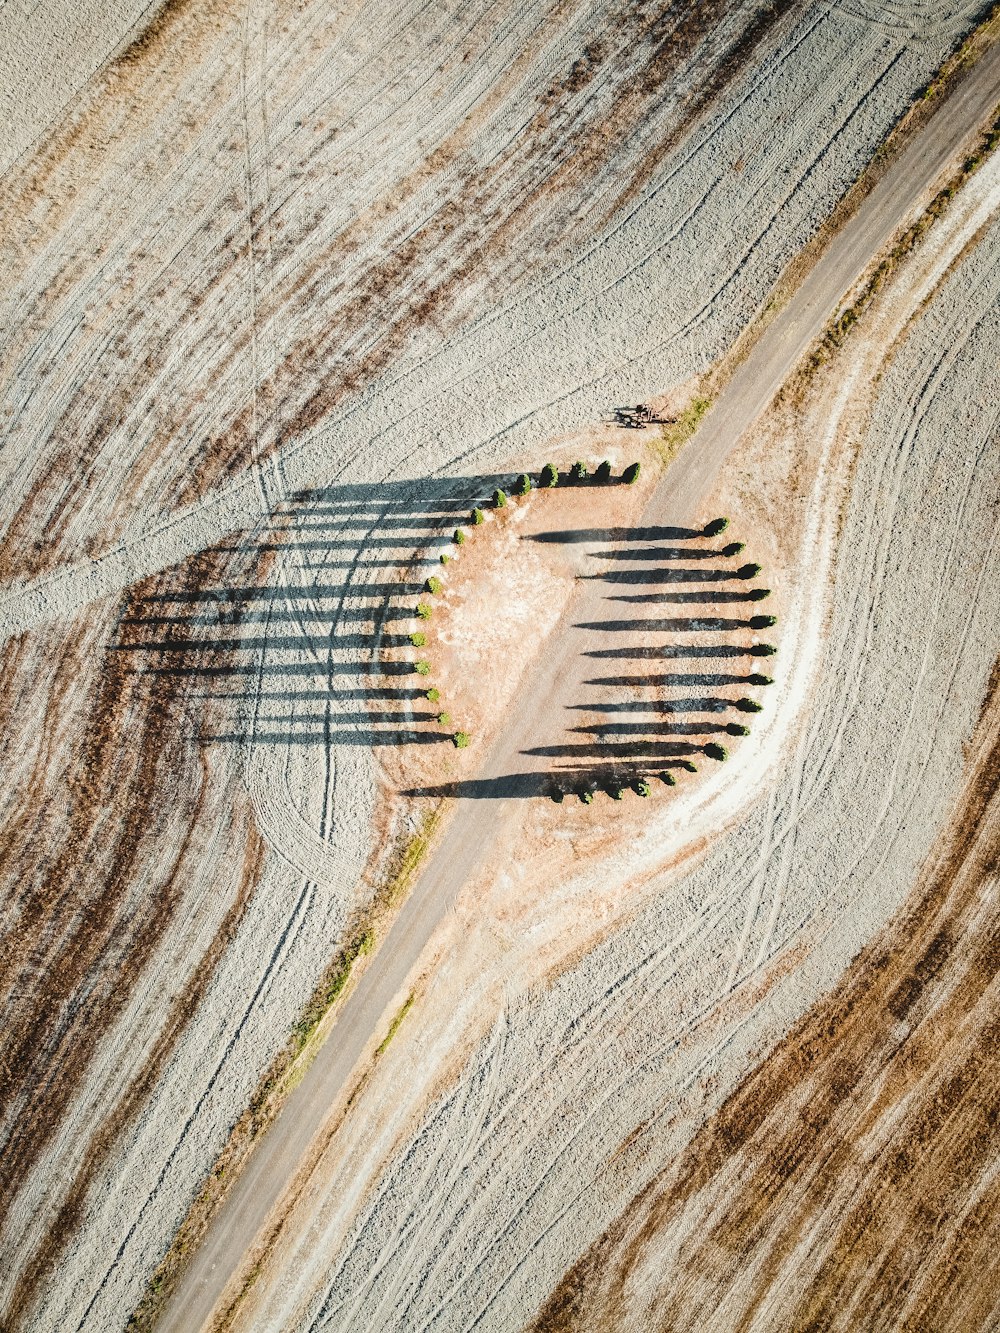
738, 946
108, 309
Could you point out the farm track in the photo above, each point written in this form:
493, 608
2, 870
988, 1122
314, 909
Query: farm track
771, 360
184, 228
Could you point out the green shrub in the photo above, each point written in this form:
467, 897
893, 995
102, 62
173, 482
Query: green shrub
458, 537
433, 584
603, 473
587, 796
433, 694
579, 471
669, 779
550, 475
737, 729
444, 719
631, 474
689, 765
445, 557
717, 752
461, 739
424, 610
642, 787
524, 485
716, 526
422, 668
763, 622
758, 594
500, 499
763, 650
734, 548
478, 517
757, 679
748, 571
748, 705
418, 638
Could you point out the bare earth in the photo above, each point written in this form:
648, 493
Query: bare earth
286, 289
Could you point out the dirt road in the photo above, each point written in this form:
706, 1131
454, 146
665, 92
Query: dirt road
478, 823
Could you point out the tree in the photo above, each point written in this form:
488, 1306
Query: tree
433, 694
734, 548
757, 679
458, 537
689, 765
424, 610
461, 739
422, 668
500, 499
642, 787
748, 571
668, 778
763, 650
445, 557
631, 474
758, 594
748, 705
717, 752
587, 796
550, 475
615, 791
716, 526
579, 471
433, 584
444, 719
524, 485
603, 473
737, 729
418, 638
478, 517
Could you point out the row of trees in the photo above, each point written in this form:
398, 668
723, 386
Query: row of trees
615, 786
433, 585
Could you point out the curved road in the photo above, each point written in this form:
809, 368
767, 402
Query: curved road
477, 824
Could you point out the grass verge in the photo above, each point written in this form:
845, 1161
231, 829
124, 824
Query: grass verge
678, 432
394, 1025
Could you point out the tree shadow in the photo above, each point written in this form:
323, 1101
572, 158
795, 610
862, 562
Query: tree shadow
316, 650
320, 654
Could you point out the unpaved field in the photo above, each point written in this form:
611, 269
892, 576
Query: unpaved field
585, 1088
195, 280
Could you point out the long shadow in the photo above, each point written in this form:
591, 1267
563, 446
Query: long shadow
325, 652
323, 656
672, 650
651, 553
604, 729
682, 625
567, 536
701, 678
709, 597
651, 748
665, 575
